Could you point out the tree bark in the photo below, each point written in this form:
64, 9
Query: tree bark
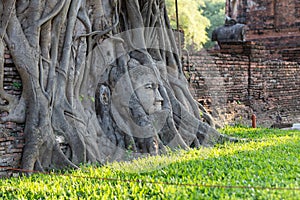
100, 79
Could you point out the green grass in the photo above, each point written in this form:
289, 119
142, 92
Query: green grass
266, 168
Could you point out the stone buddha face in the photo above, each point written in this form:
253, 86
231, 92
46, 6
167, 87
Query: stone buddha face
146, 87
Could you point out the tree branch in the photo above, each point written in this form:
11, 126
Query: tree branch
8, 18
22, 53
56, 31
59, 6
84, 18
31, 30
72, 16
101, 33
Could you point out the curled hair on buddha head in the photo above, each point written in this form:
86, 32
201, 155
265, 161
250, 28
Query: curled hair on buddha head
136, 70
139, 72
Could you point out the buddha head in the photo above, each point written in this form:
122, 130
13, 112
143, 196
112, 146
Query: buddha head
146, 86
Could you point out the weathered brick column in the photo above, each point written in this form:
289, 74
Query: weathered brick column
11, 134
241, 79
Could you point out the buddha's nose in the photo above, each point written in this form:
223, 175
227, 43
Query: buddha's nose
158, 97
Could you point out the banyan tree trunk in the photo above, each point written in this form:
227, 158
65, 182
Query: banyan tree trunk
100, 78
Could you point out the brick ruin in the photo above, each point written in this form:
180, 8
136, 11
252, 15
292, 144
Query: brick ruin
275, 23
259, 76
11, 134
240, 80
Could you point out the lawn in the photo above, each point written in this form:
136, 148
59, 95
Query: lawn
267, 167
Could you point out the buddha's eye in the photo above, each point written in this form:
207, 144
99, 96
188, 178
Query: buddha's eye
152, 86
149, 86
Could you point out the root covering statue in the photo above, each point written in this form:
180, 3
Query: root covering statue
100, 78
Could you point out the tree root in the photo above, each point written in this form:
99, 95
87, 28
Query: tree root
53, 48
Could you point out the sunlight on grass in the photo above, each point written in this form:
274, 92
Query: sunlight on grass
157, 162
265, 168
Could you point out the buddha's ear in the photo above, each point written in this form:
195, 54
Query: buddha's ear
102, 100
104, 96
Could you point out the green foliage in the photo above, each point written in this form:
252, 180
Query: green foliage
191, 21
81, 97
92, 99
271, 160
17, 85
198, 19
214, 10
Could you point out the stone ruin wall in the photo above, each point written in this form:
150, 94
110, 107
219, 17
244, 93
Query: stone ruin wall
240, 80
275, 23
11, 134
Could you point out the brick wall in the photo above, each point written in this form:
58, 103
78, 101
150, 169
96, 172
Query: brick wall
275, 23
240, 80
11, 134
275, 90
